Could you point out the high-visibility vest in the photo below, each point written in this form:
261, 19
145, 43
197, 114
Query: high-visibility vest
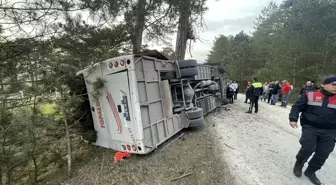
257, 85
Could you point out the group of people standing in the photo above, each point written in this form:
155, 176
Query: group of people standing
276, 91
279, 91
232, 91
317, 107
270, 92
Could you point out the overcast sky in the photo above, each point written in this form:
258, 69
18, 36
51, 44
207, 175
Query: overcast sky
226, 17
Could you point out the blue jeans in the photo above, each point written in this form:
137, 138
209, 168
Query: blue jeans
285, 99
275, 98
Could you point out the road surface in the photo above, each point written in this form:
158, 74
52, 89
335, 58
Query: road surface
261, 148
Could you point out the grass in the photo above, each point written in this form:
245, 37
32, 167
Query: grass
196, 154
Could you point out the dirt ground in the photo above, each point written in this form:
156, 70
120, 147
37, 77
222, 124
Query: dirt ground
260, 148
194, 156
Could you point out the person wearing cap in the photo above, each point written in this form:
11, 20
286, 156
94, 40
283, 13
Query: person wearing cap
314, 85
254, 92
318, 121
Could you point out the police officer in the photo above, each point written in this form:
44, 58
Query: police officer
318, 121
254, 92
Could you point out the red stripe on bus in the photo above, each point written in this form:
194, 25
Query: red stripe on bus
114, 110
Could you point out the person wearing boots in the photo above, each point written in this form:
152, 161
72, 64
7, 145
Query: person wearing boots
318, 121
254, 92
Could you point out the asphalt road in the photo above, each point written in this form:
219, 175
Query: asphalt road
261, 148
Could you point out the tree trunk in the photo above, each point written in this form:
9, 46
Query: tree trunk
34, 144
295, 63
3, 143
1, 182
67, 135
2, 87
183, 23
3, 149
324, 62
9, 175
241, 72
35, 162
139, 26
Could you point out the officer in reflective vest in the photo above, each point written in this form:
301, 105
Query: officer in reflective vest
253, 93
318, 121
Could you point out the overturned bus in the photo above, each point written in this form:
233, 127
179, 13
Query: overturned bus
139, 101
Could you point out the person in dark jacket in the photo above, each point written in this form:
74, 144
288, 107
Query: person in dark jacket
254, 92
270, 89
314, 85
229, 94
237, 91
275, 93
280, 92
246, 95
308, 88
318, 121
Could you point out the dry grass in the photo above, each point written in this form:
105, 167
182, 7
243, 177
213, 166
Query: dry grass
194, 155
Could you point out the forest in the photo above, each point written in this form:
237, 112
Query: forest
292, 41
43, 43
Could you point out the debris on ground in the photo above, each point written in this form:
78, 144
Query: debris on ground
121, 156
180, 177
190, 158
